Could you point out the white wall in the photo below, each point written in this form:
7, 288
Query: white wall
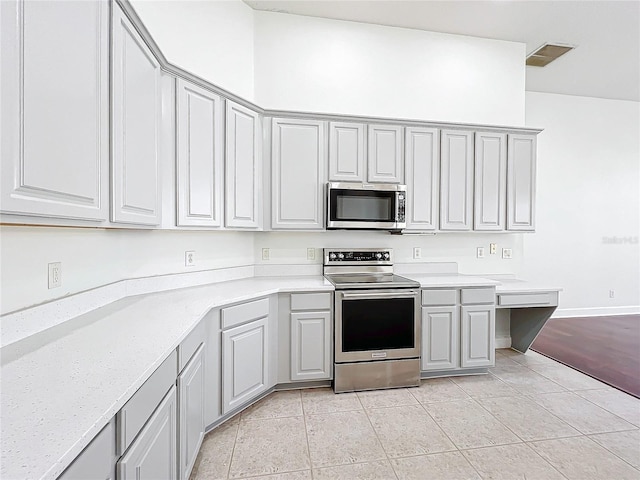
287, 248
213, 40
588, 192
95, 257
333, 66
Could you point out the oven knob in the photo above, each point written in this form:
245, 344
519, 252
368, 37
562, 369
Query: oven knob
378, 255
386, 255
401, 197
341, 256
332, 256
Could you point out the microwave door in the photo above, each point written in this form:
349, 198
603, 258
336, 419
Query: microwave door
362, 209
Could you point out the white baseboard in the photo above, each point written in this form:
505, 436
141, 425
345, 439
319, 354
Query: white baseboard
503, 342
596, 311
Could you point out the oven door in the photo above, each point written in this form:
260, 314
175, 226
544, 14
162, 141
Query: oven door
375, 325
365, 208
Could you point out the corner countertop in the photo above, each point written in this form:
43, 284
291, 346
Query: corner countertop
60, 387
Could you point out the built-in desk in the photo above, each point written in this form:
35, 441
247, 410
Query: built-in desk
530, 306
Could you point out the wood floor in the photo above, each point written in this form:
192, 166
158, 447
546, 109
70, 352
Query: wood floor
606, 348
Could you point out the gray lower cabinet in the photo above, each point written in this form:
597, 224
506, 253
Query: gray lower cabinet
98, 460
440, 338
245, 359
310, 345
458, 328
478, 332
310, 336
191, 412
153, 453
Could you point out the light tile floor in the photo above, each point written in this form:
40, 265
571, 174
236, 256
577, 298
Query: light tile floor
531, 417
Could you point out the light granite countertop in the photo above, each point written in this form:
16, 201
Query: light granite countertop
62, 386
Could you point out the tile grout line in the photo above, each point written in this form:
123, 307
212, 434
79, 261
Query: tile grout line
377, 437
611, 451
306, 435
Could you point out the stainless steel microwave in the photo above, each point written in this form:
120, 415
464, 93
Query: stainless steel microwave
366, 206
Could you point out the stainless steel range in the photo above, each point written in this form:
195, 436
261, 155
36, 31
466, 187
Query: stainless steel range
377, 321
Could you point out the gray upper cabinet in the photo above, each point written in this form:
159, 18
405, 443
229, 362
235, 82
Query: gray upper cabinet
456, 180
298, 174
136, 108
346, 152
422, 167
54, 60
521, 182
490, 192
199, 156
153, 454
243, 161
385, 163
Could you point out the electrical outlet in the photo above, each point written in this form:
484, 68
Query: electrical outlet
190, 258
311, 253
480, 252
612, 293
265, 254
417, 253
492, 248
55, 275
506, 253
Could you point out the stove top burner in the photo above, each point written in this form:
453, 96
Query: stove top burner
363, 269
364, 281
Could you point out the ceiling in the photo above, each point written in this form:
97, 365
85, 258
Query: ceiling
606, 34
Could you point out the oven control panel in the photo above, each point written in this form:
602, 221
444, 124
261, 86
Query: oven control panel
371, 256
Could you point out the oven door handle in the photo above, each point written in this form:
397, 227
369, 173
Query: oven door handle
354, 296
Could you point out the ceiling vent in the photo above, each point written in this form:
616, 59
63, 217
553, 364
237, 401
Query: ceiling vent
546, 54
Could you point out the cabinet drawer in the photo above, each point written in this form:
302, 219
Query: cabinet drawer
310, 301
440, 297
135, 413
477, 295
190, 344
97, 460
246, 312
523, 299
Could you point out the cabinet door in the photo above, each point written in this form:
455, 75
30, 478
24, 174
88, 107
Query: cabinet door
298, 163
456, 181
521, 182
346, 152
422, 166
243, 161
244, 363
440, 338
490, 193
199, 156
191, 412
477, 333
311, 346
54, 67
385, 163
135, 126
153, 454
